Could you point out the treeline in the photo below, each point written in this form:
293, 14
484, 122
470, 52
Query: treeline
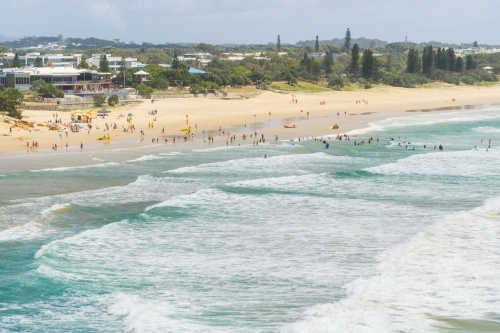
444, 65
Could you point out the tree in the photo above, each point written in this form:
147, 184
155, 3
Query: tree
316, 69
144, 90
328, 62
10, 100
175, 61
428, 60
469, 62
38, 62
459, 65
99, 99
123, 66
367, 64
475, 43
413, 64
316, 46
278, 43
347, 41
113, 100
291, 77
451, 59
207, 48
104, 64
354, 65
442, 60
46, 90
83, 63
16, 63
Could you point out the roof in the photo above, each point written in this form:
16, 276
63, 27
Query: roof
487, 67
141, 72
49, 70
193, 70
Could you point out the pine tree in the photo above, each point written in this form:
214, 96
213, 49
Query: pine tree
413, 64
316, 69
459, 64
354, 65
103, 64
38, 62
367, 64
328, 62
475, 43
469, 62
175, 61
451, 59
278, 43
316, 47
16, 63
428, 60
347, 41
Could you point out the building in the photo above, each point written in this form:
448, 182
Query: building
49, 60
115, 63
191, 70
69, 80
488, 69
141, 76
316, 55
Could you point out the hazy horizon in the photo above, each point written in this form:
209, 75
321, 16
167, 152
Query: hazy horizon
235, 22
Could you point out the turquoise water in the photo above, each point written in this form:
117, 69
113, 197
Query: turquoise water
372, 238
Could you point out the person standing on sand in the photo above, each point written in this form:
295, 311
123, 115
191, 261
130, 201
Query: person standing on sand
81, 145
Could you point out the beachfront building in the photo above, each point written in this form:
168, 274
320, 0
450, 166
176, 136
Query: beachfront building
203, 58
115, 63
49, 60
141, 76
69, 80
240, 56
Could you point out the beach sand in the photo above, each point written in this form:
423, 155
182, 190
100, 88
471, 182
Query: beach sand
265, 113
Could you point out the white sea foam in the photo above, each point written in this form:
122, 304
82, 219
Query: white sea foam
447, 271
487, 130
272, 164
55, 208
469, 163
148, 158
61, 169
427, 119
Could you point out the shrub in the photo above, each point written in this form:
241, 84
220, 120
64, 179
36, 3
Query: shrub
336, 82
468, 80
99, 99
113, 100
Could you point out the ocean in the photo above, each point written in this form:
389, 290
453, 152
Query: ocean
355, 238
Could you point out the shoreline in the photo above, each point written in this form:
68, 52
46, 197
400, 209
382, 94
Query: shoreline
269, 112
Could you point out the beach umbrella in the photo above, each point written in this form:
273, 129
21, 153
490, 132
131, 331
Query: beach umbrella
103, 111
130, 114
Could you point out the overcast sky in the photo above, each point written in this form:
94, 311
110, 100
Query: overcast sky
254, 21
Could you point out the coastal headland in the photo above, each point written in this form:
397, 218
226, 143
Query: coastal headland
313, 114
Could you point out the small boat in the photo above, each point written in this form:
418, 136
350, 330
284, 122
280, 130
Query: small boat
290, 126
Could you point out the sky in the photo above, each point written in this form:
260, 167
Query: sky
254, 21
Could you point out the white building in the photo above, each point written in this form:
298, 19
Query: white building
70, 80
49, 60
115, 63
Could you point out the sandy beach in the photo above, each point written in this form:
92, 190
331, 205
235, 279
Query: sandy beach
266, 113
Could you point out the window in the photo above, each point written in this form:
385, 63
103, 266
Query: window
22, 80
